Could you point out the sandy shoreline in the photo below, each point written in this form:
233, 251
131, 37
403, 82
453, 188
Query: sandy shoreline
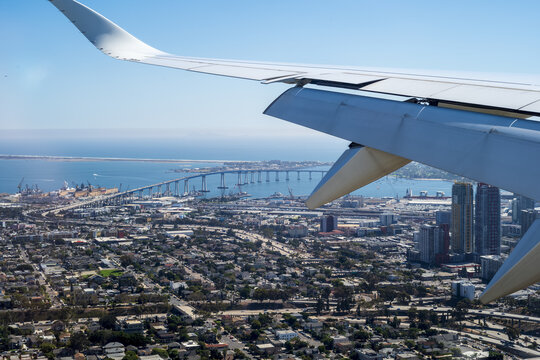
82, 158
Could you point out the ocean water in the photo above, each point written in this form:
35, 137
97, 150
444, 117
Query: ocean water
50, 175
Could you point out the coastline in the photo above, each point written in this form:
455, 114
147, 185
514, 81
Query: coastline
84, 158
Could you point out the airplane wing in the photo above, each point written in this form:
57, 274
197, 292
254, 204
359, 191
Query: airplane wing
450, 90
480, 128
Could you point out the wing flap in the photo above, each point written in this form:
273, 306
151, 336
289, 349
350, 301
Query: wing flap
357, 167
519, 270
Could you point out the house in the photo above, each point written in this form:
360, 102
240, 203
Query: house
114, 350
313, 325
266, 349
368, 354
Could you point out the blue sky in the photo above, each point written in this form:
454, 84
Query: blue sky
52, 78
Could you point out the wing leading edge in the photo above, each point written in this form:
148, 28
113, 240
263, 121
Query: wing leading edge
516, 97
488, 139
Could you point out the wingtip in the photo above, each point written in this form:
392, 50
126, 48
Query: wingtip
104, 34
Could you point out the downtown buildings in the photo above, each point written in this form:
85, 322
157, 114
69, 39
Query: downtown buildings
486, 238
462, 218
487, 220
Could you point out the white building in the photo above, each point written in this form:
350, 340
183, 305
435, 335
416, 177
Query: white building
463, 289
388, 219
490, 264
286, 335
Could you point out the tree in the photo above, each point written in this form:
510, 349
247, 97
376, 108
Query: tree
460, 310
47, 347
361, 335
326, 295
78, 341
512, 332
161, 352
412, 313
495, 355
319, 307
130, 355
244, 292
108, 321
395, 322
344, 298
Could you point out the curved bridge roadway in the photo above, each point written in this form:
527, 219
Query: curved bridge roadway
244, 177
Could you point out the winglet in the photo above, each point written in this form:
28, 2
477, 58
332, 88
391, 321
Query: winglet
519, 270
108, 37
358, 166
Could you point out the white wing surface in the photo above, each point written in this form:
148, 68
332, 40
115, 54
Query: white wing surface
455, 89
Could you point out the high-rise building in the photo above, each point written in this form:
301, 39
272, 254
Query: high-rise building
328, 223
487, 220
520, 203
443, 217
433, 243
462, 218
526, 219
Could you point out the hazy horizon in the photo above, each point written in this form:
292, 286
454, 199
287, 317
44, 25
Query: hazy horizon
169, 144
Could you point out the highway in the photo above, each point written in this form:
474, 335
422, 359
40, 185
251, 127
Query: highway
502, 344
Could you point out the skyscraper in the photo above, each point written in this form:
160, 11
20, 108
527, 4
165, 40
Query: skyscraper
328, 223
519, 204
433, 243
487, 220
462, 218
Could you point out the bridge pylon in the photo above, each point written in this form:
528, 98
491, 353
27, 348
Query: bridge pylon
286, 176
222, 183
186, 187
298, 175
259, 176
239, 181
203, 184
277, 175
267, 176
